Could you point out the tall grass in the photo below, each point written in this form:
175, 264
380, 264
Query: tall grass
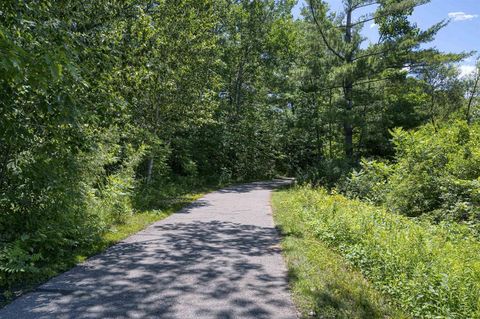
429, 271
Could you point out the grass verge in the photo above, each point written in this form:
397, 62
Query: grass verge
427, 270
323, 283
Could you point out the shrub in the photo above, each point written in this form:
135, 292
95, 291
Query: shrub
327, 172
431, 271
115, 200
60, 205
368, 183
436, 172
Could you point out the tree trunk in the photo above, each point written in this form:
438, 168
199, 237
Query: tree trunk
432, 110
150, 170
348, 90
472, 95
347, 122
330, 129
317, 128
238, 88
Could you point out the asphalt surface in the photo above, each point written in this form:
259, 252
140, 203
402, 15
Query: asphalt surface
218, 258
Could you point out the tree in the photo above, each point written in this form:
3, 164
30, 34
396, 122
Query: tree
473, 84
442, 86
253, 37
356, 67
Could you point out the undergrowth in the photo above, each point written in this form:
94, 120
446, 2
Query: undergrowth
427, 271
158, 203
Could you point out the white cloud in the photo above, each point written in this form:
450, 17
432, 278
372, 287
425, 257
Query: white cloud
373, 25
461, 16
466, 70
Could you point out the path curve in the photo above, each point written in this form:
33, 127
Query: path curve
218, 258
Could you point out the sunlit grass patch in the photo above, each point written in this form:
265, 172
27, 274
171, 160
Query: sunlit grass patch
425, 270
323, 283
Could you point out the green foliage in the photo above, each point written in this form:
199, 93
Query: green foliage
104, 103
110, 108
369, 183
114, 200
16, 260
353, 73
327, 172
324, 284
437, 171
429, 271
435, 174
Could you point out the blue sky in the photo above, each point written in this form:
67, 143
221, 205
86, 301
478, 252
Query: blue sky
462, 34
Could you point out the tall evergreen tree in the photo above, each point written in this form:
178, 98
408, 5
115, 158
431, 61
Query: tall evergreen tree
356, 66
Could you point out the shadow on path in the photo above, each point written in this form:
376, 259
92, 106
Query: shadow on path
203, 261
265, 185
208, 267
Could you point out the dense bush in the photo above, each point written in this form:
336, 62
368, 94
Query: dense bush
369, 183
327, 172
69, 209
431, 271
436, 172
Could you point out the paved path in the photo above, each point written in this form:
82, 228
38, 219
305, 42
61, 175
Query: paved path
218, 258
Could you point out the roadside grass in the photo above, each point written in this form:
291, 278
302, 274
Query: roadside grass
424, 270
324, 285
157, 205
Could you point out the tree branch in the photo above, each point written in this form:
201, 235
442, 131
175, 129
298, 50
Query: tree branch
365, 5
387, 13
324, 37
371, 54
